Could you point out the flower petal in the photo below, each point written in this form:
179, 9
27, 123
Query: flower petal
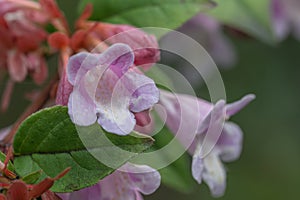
79, 65
119, 122
214, 174
119, 57
180, 107
211, 128
144, 178
81, 108
144, 93
197, 165
115, 186
112, 101
233, 108
215, 115
90, 193
230, 142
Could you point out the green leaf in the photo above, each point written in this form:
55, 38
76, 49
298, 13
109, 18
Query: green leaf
251, 16
49, 141
32, 177
146, 13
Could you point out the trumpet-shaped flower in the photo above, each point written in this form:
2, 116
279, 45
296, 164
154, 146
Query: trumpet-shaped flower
215, 139
106, 89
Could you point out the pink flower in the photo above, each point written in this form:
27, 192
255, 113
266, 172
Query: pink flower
107, 90
21, 40
127, 183
215, 140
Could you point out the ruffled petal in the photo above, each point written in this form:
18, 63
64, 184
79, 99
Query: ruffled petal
119, 57
144, 93
79, 64
214, 174
230, 142
233, 108
120, 122
81, 108
112, 101
143, 178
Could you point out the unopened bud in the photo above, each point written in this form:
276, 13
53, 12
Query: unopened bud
145, 46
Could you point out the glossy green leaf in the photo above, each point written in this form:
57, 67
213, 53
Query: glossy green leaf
49, 141
251, 16
147, 13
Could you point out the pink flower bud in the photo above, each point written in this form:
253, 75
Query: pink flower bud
145, 46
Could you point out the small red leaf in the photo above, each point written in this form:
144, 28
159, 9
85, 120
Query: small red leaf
46, 184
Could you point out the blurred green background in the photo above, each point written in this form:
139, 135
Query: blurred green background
269, 167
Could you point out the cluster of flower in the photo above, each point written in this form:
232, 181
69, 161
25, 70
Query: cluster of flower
120, 92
